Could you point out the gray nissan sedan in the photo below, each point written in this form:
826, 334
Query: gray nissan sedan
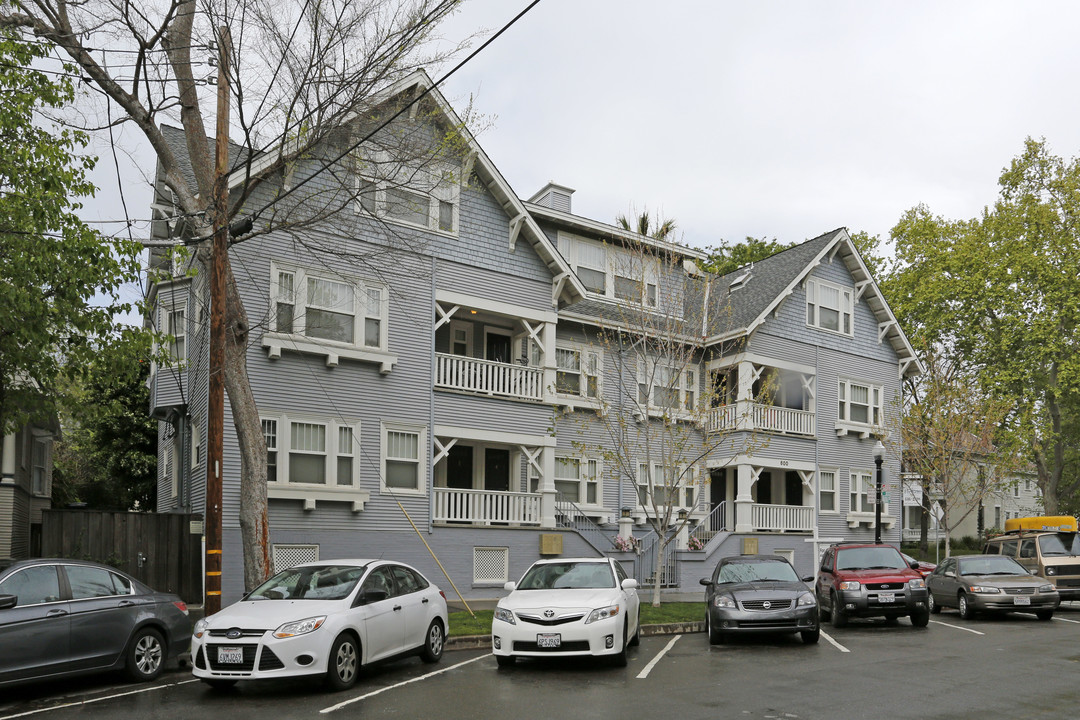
758, 594
69, 617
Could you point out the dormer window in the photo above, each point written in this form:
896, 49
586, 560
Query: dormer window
612, 272
829, 307
426, 198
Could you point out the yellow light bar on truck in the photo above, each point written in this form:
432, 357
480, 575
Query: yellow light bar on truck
1053, 523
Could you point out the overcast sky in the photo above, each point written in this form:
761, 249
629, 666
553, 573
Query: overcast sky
771, 119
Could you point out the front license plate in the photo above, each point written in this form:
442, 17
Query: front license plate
886, 597
1021, 600
230, 655
548, 640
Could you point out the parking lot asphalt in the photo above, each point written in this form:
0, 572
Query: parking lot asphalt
1014, 665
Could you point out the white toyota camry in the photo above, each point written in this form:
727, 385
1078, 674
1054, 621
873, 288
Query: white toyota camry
569, 606
322, 618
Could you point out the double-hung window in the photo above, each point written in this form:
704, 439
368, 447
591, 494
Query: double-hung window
578, 480
428, 199
671, 486
401, 457
859, 403
577, 372
829, 307
611, 271
39, 466
592, 266
306, 451
318, 305
662, 386
176, 328
861, 492
827, 491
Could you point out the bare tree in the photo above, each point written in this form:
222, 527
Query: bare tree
663, 418
950, 436
306, 80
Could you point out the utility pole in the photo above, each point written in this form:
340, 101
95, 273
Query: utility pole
215, 424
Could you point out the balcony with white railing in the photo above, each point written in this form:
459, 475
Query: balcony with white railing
486, 507
766, 418
488, 377
782, 518
914, 534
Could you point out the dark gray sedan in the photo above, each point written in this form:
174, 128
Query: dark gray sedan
989, 583
69, 617
758, 594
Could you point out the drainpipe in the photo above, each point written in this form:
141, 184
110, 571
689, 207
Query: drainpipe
431, 409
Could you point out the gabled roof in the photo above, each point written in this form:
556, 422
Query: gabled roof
775, 278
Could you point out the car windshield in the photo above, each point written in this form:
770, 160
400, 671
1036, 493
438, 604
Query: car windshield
991, 565
869, 558
568, 575
753, 572
1064, 543
311, 582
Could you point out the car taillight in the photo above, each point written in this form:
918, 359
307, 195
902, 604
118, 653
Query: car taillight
443, 594
181, 606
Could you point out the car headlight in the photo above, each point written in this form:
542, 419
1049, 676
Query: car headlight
200, 627
850, 585
917, 584
984, 589
505, 615
1051, 571
724, 601
807, 599
602, 614
1046, 588
300, 627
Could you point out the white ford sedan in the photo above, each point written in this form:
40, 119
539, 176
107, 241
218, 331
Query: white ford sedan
324, 618
569, 606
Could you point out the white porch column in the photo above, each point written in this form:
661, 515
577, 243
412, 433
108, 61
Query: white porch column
547, 488
745, 396
547, 360
744, 500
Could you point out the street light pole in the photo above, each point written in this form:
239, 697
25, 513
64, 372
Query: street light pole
879, 456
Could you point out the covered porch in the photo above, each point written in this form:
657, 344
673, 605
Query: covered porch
755, 498
761, 395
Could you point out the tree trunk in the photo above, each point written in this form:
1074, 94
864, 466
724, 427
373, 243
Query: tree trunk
659, 569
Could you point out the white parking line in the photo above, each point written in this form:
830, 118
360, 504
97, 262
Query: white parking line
94, 700
652, 663
835, 644
1077, 622
957, 627
373, 693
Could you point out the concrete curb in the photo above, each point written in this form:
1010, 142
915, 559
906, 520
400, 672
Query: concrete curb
475, 642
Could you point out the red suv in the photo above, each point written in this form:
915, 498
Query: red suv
868, 580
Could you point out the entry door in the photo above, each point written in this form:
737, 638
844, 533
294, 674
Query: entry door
459, 467
497, 347
764, 488
717, 495
792, 488
496, 469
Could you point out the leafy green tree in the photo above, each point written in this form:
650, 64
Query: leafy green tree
1000, 295
727, 258
51, 264
108, 455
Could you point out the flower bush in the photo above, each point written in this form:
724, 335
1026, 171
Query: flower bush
627, 544
695, 543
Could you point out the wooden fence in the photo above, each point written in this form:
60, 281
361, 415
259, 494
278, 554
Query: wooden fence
158, 549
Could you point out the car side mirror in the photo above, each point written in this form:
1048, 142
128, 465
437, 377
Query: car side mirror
914, 564
8, 601
809, 579
510, 586
366, 597
629, 584
705, 581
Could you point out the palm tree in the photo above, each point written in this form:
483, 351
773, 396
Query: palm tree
645, 224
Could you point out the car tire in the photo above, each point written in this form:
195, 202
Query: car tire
344, 663
966, 611
619, 658
434, 642
1045, 614
810, 637
505, 660
219, 684
932, 604
636, 640
715, 638
839, 617
145, 655
919, 618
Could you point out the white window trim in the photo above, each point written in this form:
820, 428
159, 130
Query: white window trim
310, 493
647, 373
866, 514
196, 445
847, 306
845, 425
440, 191
45, 444
612, 256
332, 350
583, 351
690, 479
583, 480
422, 459
835, 492
167, 314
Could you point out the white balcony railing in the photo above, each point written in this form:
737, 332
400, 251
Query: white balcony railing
484, 507
777, 518
912, 534
488, 377
768, 418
